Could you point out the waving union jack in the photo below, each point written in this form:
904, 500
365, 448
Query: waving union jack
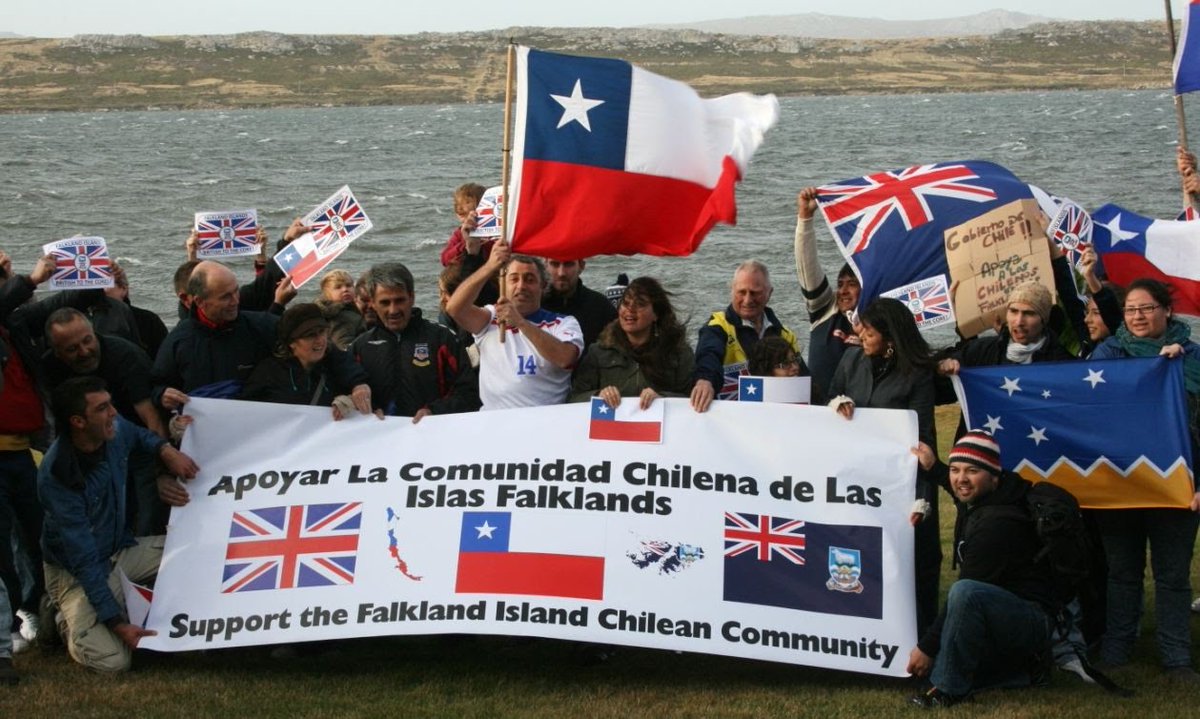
868, 201
766, 535
227, 232
82, 261
287, 547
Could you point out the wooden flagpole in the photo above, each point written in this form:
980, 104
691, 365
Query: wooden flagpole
506, 164
1180, 118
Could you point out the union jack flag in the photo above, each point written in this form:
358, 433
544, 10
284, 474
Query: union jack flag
337, 222
731, 377
227, 233
868, 201
891, 226
487, 214
80, 262
311, 545
765, 535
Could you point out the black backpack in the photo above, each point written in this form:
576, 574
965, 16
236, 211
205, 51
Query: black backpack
1066, 545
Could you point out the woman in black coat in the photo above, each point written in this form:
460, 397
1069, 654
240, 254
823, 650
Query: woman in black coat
893, 369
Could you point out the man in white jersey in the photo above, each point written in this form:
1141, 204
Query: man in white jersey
532, 367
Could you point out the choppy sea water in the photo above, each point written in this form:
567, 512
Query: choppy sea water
136, 178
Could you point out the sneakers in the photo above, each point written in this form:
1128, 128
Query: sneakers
935, 698
1075, 666
29, 625
8, 675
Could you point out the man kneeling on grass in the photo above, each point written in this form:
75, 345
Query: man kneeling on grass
86, 541
994, 628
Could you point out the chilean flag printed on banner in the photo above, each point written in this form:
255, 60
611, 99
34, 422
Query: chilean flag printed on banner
1132, 246
1187, 55
612, 159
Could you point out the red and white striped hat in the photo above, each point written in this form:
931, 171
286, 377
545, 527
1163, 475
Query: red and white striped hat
978, 448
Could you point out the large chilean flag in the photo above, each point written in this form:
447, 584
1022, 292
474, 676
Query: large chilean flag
611, 159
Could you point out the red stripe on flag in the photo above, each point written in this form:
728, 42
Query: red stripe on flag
625, 431
571, 211
1125, 267
543, 575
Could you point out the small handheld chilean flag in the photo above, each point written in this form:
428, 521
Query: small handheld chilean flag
782, 390
311, 545
79, 263
227, 234
1133, 246
626, 422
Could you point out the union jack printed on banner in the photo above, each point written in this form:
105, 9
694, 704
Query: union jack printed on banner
227, 232
765, 535
81, 260
865, 203
338, 221
312, 545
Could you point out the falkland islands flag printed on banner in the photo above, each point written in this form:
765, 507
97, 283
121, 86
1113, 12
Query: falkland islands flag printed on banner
1132, 246
612, 159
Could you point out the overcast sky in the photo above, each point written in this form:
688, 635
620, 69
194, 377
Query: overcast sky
57, 18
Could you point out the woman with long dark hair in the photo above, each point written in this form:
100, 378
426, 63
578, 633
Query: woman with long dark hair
643, 353
893, 369
1151, 330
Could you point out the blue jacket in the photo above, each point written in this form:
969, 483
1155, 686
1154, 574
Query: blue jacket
85, 513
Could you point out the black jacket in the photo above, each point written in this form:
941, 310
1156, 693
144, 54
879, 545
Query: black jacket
995, 541
194, 355
284, 381
423, 366
590, 308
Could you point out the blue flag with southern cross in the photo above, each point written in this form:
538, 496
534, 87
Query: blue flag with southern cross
1113, 432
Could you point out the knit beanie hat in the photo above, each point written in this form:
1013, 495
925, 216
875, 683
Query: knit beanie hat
1034, 295
978, 448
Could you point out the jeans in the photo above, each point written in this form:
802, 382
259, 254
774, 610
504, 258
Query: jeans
988, 631
5, 624
1171, 534
19, 503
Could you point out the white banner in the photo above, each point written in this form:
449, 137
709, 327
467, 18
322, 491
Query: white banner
769, 531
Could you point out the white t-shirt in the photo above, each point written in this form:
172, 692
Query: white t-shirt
513, 374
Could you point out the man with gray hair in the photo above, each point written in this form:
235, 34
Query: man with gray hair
414, 367
533, 364
724, 344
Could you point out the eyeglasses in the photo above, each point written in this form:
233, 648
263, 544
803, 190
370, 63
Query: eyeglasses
788, 364
1140, 310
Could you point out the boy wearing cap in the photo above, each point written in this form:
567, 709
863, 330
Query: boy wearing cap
994, 627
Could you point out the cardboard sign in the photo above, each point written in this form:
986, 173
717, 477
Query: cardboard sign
991, 255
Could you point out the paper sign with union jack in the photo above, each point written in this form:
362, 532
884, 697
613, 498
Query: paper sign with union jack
230, 233
311, 545
928, 300
488, 213
336, 223
79, 263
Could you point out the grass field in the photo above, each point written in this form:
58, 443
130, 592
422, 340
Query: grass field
493, 677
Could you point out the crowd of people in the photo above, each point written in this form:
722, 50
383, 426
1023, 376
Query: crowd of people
517, 331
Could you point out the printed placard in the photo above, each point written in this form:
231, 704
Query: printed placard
227, 233
79, 263
928, 300
488, 213
336, 223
